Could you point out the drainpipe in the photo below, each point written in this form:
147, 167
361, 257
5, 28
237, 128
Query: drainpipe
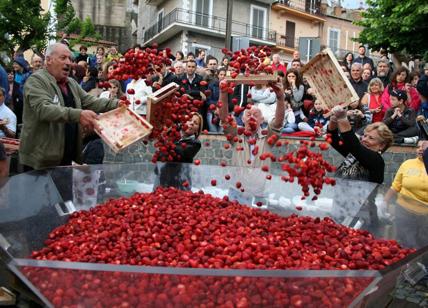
228, 40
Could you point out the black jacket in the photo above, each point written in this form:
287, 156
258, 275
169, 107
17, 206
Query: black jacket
359, 86
360, 162
408, 119
90, 84
192, 88
364, 60
188, 152
81, 58
175, 174
167, 79
16, 102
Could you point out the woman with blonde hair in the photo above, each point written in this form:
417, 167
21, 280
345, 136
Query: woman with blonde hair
373, 99
363, 158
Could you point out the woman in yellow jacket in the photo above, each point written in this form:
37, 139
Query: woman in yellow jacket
411, 180
411, 206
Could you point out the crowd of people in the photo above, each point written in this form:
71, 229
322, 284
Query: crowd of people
391, 102
376, 85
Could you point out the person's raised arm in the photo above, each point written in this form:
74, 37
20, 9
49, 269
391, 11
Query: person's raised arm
342, 120
367, 158
278, 121
224, 99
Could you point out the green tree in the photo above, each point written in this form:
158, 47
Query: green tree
395, 25
69, 23
23, 25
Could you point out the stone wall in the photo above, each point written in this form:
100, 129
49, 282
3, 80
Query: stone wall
213, 152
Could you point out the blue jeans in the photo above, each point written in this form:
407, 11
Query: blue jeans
289, 128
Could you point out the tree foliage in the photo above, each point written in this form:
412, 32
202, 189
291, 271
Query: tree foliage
68, 22
395, 25
23, 25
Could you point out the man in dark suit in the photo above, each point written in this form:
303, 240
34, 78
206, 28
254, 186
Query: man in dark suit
194, 86
191, 82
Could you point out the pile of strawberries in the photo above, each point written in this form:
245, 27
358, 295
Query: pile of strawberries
174, 228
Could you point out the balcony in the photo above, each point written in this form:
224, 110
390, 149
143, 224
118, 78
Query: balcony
287, 45
180, 19
307, 9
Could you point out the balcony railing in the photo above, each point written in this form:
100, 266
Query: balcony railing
308, 6
208, 22
283, 41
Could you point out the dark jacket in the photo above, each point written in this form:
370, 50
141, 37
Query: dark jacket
240, 93
188, 152
81, 57
316, 118
214, 88
364, 60
167, 79
424, 109
385, 80
90, 84
359, 86
174, 174
193, 88
360, 162
408, 119
16, 102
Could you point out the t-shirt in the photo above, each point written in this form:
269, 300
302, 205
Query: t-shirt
6, 113
411, 180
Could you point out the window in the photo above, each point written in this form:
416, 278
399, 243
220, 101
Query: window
160, 20
333, 39
258, 21
203, 12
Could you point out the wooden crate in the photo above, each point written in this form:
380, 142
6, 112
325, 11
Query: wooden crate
156, 113
11, 145
121, 127
252, 79
328, 80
